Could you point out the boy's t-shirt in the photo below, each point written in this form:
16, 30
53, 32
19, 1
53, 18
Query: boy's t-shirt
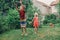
22, 14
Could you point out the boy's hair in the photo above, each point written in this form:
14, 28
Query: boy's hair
17, 3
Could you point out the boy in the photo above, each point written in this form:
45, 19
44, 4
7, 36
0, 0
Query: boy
22, 17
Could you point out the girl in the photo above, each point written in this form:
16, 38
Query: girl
35, 22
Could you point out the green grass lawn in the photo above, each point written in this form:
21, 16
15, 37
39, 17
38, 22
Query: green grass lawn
44, 33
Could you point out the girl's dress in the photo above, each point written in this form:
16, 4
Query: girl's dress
35, 22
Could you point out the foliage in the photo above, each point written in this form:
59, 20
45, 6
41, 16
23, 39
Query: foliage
9, 17
58, 7
13, 19
5, 5
3, 23
10, 21
50, 19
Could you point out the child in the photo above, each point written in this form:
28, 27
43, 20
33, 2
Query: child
35, 22
22, 17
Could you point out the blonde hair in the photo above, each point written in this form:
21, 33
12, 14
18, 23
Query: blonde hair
36, 14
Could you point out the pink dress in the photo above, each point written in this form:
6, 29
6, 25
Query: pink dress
35, 22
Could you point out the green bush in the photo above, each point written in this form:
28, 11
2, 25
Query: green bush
13, 19
50, 19
10, 21
58, 20
3, 24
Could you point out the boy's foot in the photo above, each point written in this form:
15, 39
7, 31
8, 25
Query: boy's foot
22, 34
26, 34
35, 32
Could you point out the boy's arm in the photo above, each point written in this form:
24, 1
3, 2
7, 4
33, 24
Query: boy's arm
17, 8
32, 19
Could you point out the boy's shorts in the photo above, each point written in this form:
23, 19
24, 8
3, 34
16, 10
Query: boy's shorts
23, 23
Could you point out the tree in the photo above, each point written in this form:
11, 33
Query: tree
58, 7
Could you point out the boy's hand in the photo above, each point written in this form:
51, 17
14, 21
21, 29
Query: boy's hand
15, 4
30, 22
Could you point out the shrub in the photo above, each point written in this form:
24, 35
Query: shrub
3, 24
50, 19
13, 19
10, 21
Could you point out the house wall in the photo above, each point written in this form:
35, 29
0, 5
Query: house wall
43, 9
53, 9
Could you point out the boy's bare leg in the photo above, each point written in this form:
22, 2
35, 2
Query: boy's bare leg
22, 31
25, 31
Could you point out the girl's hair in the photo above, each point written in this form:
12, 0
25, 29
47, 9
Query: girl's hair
36, 13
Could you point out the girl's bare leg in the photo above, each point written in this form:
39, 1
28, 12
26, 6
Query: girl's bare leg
35, 30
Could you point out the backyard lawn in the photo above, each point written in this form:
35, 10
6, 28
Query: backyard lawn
44, 33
